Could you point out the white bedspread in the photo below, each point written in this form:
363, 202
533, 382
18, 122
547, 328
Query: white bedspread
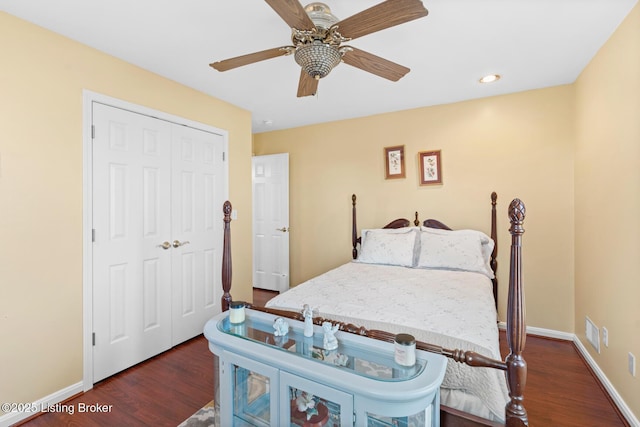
453, 309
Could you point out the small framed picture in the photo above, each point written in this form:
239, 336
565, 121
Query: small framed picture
394, 162
430, 167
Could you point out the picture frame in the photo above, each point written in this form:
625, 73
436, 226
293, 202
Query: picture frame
394, 162
430, 167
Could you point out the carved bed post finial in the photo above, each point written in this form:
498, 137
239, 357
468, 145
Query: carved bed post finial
354, 228
517, 213
226, 257
493, 262
416, 222
516, 414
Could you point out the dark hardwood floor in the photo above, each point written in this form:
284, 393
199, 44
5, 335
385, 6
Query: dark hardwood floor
165, 390
162, 391
261, 296
561, 389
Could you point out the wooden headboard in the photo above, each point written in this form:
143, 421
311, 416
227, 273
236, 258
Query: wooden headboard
433, 223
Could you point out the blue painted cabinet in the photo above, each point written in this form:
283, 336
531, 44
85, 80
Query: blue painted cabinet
266, 380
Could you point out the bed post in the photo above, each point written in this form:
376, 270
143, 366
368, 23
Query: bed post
354, 228
494, 253
226, 257
516, 414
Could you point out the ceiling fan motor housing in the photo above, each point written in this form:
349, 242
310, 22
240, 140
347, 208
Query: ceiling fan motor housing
321, 15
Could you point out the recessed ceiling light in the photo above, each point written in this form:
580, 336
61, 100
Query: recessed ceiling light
267, 122
490, 78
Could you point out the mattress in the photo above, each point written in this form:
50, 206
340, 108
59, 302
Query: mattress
452, 309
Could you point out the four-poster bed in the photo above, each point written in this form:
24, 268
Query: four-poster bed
415, 274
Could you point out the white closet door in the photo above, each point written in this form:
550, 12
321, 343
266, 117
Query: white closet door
131, 272
197, 187
158, 190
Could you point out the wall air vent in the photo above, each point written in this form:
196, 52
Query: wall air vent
593, 334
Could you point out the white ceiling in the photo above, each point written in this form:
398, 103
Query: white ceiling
531, 43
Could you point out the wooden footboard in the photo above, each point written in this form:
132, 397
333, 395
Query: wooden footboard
514, 364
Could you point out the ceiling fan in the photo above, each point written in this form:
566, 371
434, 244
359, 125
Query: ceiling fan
317, 37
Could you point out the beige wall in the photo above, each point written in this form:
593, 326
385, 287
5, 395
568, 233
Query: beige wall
41, 82
607, 176
519, 145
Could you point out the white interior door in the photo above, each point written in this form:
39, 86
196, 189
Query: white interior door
197, 197
270, 180
131, 273
157, 235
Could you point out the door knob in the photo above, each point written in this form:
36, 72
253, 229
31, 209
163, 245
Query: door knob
283, 229
177, 243
165, 245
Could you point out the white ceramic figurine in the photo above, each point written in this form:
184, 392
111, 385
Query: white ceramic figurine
308, 320
281, 327
330, 341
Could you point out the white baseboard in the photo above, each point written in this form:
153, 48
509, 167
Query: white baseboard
617, 399
542, 332
620, 403
59, 396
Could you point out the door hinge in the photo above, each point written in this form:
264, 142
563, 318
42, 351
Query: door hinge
93, 235
93, 131
93, 339
224, 156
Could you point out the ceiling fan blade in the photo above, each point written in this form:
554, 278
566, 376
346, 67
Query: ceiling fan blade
384, 15
292, 12
308, 86
374, 64
250, 58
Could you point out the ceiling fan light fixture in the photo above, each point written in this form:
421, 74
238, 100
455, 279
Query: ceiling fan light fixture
317, 58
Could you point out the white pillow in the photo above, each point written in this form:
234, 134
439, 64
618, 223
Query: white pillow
467, 250
401, 230
388, 246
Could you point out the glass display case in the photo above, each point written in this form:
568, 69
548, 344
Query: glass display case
309, 404
291, 380
246, 388
252, 399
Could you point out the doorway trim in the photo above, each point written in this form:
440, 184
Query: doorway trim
89, 97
